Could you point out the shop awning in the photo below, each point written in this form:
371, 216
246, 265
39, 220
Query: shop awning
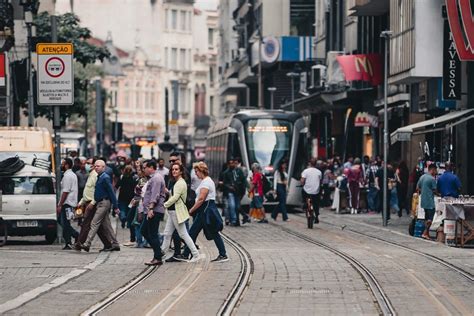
433, 125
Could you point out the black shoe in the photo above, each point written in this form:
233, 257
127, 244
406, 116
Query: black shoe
85, 248
246, 220
316, 220
180, 258
221, 259
67, 247
263, 221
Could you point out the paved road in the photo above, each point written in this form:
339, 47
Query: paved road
291, 276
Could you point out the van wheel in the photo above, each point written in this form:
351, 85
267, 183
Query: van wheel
50, 237
3, 233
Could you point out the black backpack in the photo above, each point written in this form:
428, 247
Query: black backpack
190, 198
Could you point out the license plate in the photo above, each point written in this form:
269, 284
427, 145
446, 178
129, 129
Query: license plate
27, 224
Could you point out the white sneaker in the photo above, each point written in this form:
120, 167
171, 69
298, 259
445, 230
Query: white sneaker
195, 258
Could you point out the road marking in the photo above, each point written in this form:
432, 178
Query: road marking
82, 291
31, 295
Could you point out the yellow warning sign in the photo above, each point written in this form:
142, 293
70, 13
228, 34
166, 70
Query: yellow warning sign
54, 49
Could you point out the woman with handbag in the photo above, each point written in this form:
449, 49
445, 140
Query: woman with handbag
178, 212
204, 206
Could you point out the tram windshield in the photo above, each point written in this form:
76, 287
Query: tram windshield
268, 141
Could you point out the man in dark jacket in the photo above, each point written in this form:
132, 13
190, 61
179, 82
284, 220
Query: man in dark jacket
234, 190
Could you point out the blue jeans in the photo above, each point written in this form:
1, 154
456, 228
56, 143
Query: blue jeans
233, 204
281, 193
197, 226
372, 198
124, 210
150, 232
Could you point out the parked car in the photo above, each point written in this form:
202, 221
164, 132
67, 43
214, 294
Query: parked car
28, 203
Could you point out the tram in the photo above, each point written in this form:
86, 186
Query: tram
266, 137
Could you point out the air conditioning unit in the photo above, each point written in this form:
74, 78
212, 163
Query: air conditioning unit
318, 76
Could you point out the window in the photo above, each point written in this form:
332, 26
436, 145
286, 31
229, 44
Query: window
211, 108
302, 15
182, 103
210, 37
174, 19
183, 20
182, 59
166, 58
127, 99
211, 75
26, 185
190, 18
167, 12
174, 58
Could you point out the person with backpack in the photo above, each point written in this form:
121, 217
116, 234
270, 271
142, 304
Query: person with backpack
311, 182
256, 193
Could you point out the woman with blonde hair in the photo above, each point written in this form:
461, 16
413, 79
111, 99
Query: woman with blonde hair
178, 215
206, 215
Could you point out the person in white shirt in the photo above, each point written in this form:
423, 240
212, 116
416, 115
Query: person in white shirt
67, 201
165, 172
311, 182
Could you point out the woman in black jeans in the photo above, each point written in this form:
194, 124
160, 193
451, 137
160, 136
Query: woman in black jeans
280, 185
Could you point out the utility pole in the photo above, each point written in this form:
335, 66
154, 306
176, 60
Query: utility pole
260, 84
386, 35
86, 117
292, 76
31, 106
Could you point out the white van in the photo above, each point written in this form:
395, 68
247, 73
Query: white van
28, 203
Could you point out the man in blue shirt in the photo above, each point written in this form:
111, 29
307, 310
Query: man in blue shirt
104, 196
427, 185
448, 183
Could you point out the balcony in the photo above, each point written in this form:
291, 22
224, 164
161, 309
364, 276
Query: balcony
370, 7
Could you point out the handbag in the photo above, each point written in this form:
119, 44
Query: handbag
78, 212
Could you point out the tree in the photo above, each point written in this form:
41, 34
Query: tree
85, 56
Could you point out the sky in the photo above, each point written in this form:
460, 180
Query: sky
207, 4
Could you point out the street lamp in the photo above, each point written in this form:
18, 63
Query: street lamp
292, 76
29, 27
386, 35
272, 91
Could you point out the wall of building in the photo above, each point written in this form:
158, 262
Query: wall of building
276, 18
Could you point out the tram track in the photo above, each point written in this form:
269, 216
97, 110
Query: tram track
186, 283
381, 299
467, 275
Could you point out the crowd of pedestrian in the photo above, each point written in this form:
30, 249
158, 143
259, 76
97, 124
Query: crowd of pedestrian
140, 193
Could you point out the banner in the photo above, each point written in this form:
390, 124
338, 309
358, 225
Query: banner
367, 67
2, 69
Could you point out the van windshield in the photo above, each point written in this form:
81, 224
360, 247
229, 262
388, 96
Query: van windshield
27, 157
26, 185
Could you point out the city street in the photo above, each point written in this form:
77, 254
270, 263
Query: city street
347, 264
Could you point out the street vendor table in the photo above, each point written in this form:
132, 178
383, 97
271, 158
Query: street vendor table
463, 213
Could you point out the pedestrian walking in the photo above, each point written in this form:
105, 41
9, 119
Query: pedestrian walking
82, 175
402, 187
178, 215
126, 185
449, 184
379, 184
204, 208
311, 182
67, 201
427, 186
153, 205
256, 193
373, 191
164, 171
280, 186
88, 204
104, 196
137, 206
355, 180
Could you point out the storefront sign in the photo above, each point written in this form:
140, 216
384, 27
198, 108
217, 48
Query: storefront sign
364, 119
461, 23
451, 67
55, 74
271, 49
367, 67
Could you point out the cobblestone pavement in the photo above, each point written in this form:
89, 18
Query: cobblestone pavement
397, 231
414, 284
293, 277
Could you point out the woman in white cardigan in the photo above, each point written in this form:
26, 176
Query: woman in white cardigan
178, 216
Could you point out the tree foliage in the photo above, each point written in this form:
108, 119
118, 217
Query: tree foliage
85, 56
